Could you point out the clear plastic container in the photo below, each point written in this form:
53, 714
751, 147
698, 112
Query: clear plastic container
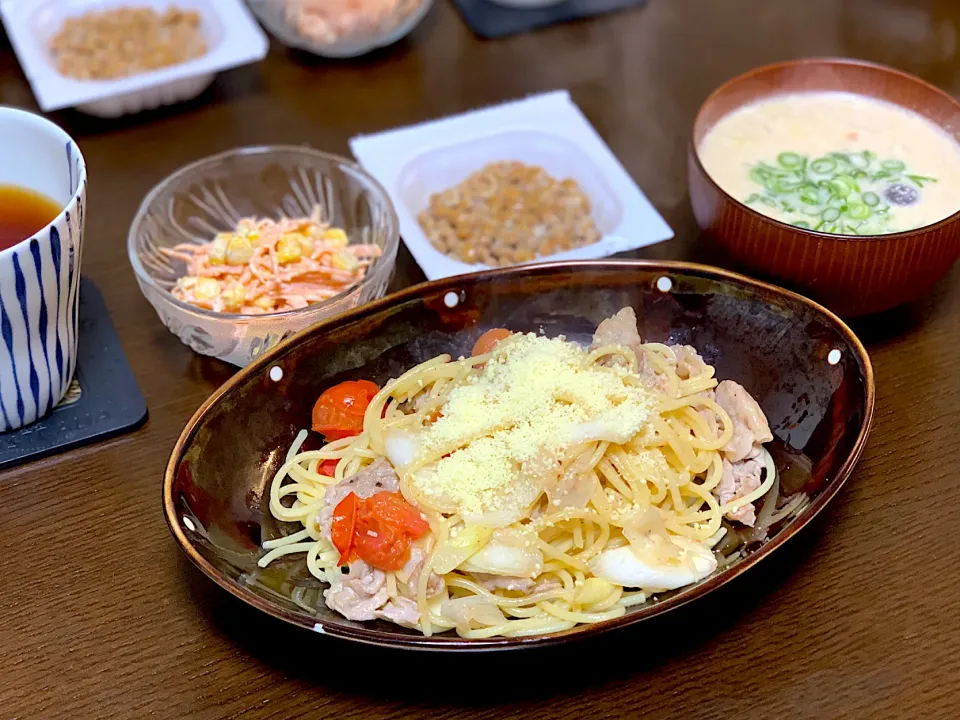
547, 131
272, 14
212, 195
232, 37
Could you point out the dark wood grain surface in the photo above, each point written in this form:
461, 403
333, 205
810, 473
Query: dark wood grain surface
102, 617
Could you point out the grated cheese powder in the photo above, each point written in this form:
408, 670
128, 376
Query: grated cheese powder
506, 430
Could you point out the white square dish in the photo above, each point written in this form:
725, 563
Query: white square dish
548, 130
233, 39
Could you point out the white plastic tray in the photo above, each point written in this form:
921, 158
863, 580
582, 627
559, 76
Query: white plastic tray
548, 130
233, 39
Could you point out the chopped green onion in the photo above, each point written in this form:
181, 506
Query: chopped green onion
858, 211
790, 160
822, 166
860, 162
810, 196
839, 191
919, 180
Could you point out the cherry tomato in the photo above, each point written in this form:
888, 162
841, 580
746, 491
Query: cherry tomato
344, 525
329, 467
381, 545
488, 341
392, 509
378, 530
338, 413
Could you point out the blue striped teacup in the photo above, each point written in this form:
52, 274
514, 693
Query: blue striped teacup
40, 276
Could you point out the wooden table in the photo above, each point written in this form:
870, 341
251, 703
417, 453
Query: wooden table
103, 617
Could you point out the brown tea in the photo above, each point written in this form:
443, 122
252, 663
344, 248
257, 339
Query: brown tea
22, 213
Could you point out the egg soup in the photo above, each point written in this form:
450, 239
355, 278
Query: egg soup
835, 162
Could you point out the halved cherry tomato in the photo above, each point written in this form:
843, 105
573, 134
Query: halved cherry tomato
329, 467
391, 508
378, 530
381, 545
343, 527
338, 413
488, 341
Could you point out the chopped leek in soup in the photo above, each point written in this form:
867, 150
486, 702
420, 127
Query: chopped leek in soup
836, 162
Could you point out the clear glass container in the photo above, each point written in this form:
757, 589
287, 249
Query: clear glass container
212, 195
272, 14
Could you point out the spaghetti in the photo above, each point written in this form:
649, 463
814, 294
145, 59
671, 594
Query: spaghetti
550, 485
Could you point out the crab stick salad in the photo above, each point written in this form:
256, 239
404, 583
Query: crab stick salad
267, 266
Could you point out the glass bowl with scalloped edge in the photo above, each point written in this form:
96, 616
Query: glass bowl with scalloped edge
213, 194
272, 14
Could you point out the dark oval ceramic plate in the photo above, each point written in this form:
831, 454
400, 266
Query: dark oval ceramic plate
806, 368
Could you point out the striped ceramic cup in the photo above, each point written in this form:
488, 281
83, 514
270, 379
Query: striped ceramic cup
40, 277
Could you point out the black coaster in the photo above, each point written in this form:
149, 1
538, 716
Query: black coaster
493, 21
103, 400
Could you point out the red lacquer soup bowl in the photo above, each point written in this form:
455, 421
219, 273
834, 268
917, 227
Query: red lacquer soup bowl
852, 275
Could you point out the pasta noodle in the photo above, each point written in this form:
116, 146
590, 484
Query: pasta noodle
618, 519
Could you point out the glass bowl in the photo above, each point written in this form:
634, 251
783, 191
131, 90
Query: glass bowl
271, 14
213, 194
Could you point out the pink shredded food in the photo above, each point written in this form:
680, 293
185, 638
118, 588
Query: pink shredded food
329, 21
266, 266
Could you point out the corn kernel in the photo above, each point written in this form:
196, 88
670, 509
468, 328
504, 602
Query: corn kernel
288, 250
343, 260
206, 289
336, 237
305, 243
218, 250
239, 250
264, 302
233, 296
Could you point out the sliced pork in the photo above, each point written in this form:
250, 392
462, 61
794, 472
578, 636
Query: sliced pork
750, 427
689, 362
412, 569
359, 594
740, 479
621, 329
402, 611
